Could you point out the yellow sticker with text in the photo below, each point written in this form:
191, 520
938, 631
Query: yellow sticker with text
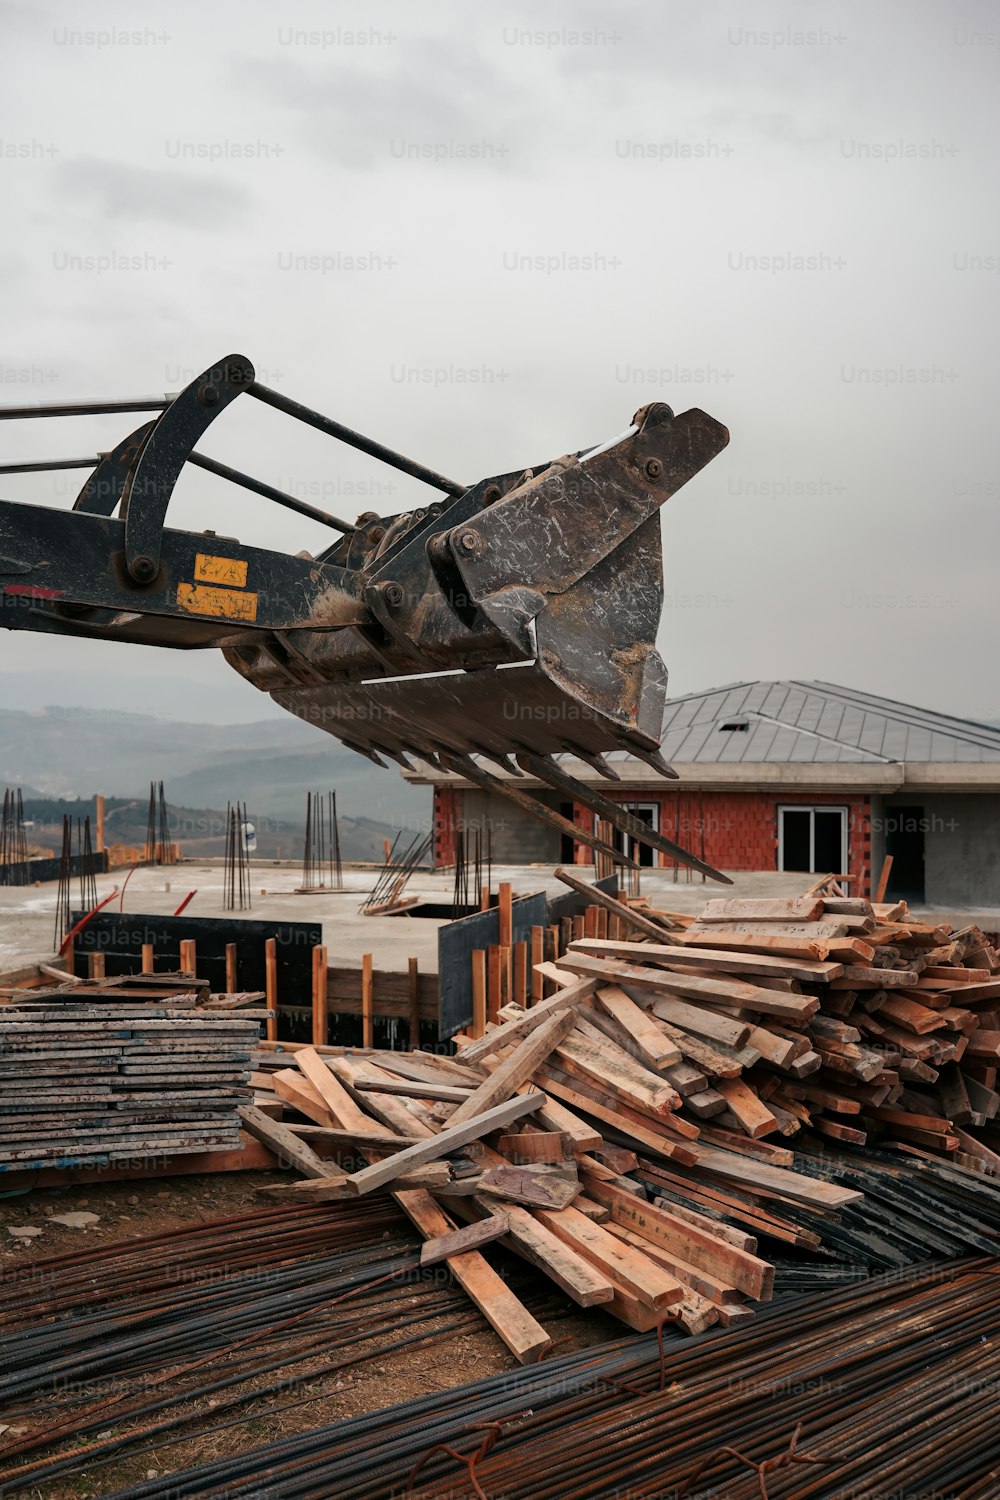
228, 572
224, 603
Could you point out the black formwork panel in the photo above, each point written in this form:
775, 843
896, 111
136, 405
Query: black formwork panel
457, 942
120, 939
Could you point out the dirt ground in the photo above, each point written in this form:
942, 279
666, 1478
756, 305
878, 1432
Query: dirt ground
374, 1380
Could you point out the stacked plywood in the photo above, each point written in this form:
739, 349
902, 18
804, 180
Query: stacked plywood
87, 1081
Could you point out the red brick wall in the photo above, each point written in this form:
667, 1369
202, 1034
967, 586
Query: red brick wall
741, 828
447, 811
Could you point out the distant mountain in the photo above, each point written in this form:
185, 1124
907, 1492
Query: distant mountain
200, 831
269, 764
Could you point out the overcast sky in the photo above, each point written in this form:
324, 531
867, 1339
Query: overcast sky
485, 235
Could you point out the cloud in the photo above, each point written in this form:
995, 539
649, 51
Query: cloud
115, 190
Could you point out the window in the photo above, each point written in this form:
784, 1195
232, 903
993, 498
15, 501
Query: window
813, 839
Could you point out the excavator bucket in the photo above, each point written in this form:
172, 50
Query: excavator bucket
510, 622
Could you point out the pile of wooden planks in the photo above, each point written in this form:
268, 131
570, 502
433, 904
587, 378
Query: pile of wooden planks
671, 1102
859, 1024
85, 1080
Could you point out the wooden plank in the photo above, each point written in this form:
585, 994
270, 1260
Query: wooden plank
469, 1237
651, 1041
619, 1073
701, 1022
517, 1067
343, 1110
633, 1270
478, 1028
691, 1242
296, 1090
523, 1025
453, 1136
535, 1146
367, 1000
537, 957
286, 1145
627, 914
271, 986
714, 989
523, 1335
667, 954
754, 1116
782, 909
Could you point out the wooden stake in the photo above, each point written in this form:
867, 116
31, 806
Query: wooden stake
367, 1002
99, 823
484, 898
479, 1012
537, 957
96, 966
413, 970
148, 961
189, 956
494, 980
231, 969
520, 992
883, 879
320, 1000
271, 986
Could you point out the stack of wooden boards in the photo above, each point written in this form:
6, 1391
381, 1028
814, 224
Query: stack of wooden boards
628, 1134
846, 1020
90, 1076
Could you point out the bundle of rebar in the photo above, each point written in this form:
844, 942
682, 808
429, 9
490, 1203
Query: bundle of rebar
400, 864
882, 1389
321, 863
472, 857
236, 875
13, 840
159, 846
180, 1333
65, 877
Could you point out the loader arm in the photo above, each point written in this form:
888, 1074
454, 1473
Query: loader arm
512, 618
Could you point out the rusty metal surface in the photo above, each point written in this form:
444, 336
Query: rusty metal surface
517, 615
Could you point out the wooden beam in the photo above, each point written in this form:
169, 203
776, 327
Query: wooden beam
232, 983
413, 976
367, 1001
449, 1139
516, 1068
271, 986
470, 1237
523, 1335
478, 1028
634, 919
320, 1001
521, 1026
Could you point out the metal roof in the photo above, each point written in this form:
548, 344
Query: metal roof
816, 722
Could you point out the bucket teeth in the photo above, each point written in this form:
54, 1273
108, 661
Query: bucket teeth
464, 765
594, 760
654, 759
550, 771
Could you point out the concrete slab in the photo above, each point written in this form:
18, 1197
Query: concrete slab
27, 914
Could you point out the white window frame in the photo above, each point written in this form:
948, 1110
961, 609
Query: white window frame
813, 808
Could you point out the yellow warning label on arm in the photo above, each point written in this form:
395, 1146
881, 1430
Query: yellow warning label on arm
225, 603
230, 572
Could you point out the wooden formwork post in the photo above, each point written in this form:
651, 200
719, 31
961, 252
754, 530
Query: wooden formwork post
189, 956
99, 823
413, 972
96, 966
484, 898
367, 1001
478, 992
537, 957
271, 986
231, 969
590, 922
320, 1001
493, 980
148, 960
520, 992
